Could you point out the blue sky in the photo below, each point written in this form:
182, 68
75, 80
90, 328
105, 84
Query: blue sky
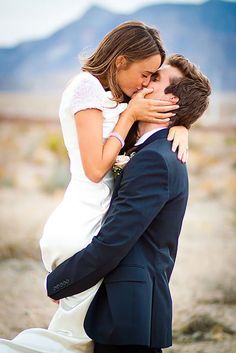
22, 20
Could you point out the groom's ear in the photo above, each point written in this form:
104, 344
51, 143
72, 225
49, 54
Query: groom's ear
174, 99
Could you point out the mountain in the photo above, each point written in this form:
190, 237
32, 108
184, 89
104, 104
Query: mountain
205, 33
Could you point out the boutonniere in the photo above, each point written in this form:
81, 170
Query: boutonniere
120, 163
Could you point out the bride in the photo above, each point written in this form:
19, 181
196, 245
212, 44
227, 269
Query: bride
96, 114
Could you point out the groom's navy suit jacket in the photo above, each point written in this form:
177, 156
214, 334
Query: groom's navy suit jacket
134, 251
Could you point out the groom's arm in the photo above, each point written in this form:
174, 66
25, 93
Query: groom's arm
142, 194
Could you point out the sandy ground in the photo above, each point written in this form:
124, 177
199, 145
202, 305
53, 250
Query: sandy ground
203, 282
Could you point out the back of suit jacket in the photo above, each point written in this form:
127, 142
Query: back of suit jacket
135, 251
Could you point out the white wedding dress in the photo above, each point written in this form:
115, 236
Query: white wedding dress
72, 225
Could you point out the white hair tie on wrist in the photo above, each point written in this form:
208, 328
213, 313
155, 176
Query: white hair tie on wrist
120, 138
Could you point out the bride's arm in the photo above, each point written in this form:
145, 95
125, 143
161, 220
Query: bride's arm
179, 136
97, 156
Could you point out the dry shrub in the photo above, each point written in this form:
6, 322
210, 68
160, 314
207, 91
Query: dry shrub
202, 328
226, 294
57, 180
54, 143
20, 249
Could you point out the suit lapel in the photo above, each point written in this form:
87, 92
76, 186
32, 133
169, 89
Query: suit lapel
117, 185
161, 134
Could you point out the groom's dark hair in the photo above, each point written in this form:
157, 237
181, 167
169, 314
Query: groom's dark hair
193, 91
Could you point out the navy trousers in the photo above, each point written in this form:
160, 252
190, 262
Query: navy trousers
103, 348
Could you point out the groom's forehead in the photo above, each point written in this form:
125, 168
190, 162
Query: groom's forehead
169, 72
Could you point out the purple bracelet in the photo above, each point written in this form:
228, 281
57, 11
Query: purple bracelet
116, 135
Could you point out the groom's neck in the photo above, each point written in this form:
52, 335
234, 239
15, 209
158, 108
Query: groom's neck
146, 127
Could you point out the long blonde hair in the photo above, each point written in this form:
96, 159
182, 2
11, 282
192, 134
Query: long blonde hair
132, 39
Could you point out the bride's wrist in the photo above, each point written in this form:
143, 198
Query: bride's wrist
128, 116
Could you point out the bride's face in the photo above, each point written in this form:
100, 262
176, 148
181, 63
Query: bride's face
132, 77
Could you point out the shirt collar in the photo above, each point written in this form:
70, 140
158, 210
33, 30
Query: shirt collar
145, 136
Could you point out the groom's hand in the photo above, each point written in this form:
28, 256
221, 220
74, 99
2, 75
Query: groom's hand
55, 301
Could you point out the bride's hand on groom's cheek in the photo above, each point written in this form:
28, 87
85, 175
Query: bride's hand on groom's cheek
150, 110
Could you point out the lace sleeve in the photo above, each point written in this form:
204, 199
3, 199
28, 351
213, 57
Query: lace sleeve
88, 93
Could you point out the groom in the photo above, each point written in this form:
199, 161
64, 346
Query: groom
136, 247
